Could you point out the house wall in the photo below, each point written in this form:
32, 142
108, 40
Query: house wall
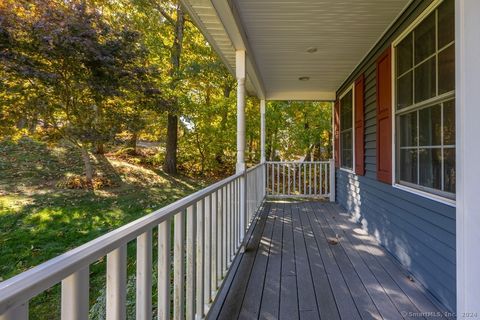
418, 231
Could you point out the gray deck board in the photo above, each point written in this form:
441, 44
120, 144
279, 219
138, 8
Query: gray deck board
288, 282
232, 304
271, 290
379, 283
327, 306
253, 295
291, 271
306, 295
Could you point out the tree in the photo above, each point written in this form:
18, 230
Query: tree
298, 130
170, 165
80, 65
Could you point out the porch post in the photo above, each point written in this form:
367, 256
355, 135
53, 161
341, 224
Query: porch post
467, 69
240, 72
262, 130
240, 168
262, 147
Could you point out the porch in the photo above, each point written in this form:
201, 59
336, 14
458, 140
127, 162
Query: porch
307, 260
219, 255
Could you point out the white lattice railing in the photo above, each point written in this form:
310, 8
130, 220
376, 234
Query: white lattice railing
208, 229
301, 179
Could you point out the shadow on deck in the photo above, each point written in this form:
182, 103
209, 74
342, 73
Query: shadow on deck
306, 260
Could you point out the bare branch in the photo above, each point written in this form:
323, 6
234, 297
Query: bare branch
163, 12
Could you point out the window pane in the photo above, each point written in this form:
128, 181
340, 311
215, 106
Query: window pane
408, 129
404, 55
404, 91
449, 123
408, 165
425, 83
446, 70
346, 141
449, 170
446, 23
431, 168
346, 111
430, 126
425, 39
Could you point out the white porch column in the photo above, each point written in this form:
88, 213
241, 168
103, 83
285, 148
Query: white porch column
262, 147
262, 130
467, 50
241, 75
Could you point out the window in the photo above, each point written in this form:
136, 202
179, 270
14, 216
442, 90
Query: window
346, 130
425, 104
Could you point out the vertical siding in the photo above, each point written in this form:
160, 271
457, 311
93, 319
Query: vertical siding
419, 232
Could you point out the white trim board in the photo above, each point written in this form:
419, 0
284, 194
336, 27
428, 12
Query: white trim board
467, 69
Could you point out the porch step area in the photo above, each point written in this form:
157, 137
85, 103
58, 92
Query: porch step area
306, 260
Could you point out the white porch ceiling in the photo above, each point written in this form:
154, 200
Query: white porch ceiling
278, 33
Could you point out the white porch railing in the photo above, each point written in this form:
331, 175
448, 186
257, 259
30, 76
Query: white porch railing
208, 230
301, 179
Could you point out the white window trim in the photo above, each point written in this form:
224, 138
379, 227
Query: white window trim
438, 198
425, 194
347, 90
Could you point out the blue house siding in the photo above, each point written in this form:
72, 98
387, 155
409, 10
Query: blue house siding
418, 231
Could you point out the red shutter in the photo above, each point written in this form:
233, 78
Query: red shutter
384, 117
336, 134
359, 126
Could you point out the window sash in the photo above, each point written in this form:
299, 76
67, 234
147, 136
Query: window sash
350, 129
439, 152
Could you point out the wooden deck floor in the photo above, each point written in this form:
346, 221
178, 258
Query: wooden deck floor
305, 260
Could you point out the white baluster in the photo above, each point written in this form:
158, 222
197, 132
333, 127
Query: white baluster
200, 300
144, 276
191, 257
224, 232
300, 178
304, 178
214, 252
75, 296
289, 190
116, 284
179, 266
220, 236
321, 179
16, 313
332, 180
294, 177
164, 268
273, 178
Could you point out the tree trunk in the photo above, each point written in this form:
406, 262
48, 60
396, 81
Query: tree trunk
99, 148
133, 142
21, 123
32, 126
170, 165
224, 119
88, 166
272, 147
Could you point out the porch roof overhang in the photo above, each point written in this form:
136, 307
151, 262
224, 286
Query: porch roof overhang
277, 36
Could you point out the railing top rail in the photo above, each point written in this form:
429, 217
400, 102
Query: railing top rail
30, 283
299, 162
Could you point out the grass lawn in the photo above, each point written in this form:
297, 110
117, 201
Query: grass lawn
39, 220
